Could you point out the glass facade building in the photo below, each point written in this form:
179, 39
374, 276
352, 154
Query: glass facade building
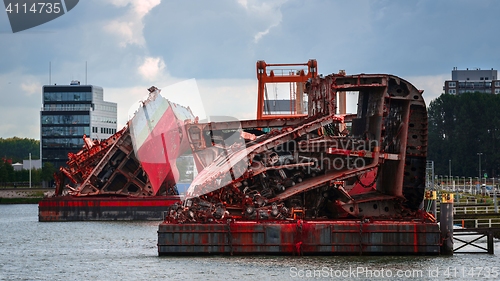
68, 113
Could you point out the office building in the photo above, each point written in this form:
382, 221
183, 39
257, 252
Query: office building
69, 112
471, 81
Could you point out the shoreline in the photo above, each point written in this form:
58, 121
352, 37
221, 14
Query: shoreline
23, 195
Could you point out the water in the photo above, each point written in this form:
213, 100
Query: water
30, 250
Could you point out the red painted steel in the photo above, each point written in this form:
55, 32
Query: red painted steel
300, 237
280, 190
161, 149
276, 75
71, 208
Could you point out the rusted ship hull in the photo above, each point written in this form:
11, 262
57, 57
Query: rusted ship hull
329, 184
71, 208
305, 237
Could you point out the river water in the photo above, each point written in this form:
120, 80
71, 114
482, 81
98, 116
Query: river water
30, 250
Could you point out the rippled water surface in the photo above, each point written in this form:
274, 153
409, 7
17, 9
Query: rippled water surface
30, 250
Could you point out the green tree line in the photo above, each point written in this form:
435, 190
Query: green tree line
460, 127
11, 178
18, 149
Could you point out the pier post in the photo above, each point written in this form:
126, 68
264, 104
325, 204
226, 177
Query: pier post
446, 223
430, 202
495, 202
491, 245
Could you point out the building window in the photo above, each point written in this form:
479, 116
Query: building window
57, 131
497, 91
452, 91
497, 83
452, 84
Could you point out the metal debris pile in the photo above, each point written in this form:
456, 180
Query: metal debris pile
106, 167
323, 166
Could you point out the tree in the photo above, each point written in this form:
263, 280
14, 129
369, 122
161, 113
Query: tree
18, 149
460, 126
48, 171
3, 171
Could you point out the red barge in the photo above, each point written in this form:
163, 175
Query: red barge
315, 182
74, 208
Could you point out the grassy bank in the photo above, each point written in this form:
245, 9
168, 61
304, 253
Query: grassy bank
21, 196
32, 200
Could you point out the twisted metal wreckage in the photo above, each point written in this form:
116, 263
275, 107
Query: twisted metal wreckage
131, 162
321, 166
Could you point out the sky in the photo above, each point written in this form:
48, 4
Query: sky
126, 46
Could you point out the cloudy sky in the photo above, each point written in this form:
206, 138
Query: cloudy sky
129, 45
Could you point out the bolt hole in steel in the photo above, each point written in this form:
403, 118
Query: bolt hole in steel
414, 136
412, 125
375, 206
415, 97
386, 209
351, 209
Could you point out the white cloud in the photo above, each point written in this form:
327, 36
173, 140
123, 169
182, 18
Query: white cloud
31, 87
267, 12
129, 27
243, 3
260, 34
141, 7
144, 6
152, 68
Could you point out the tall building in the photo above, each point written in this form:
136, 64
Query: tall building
473, 80
69, 112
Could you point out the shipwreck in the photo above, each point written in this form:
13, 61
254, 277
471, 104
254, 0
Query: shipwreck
315, 181
130, 176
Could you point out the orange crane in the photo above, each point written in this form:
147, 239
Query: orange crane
273, 75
